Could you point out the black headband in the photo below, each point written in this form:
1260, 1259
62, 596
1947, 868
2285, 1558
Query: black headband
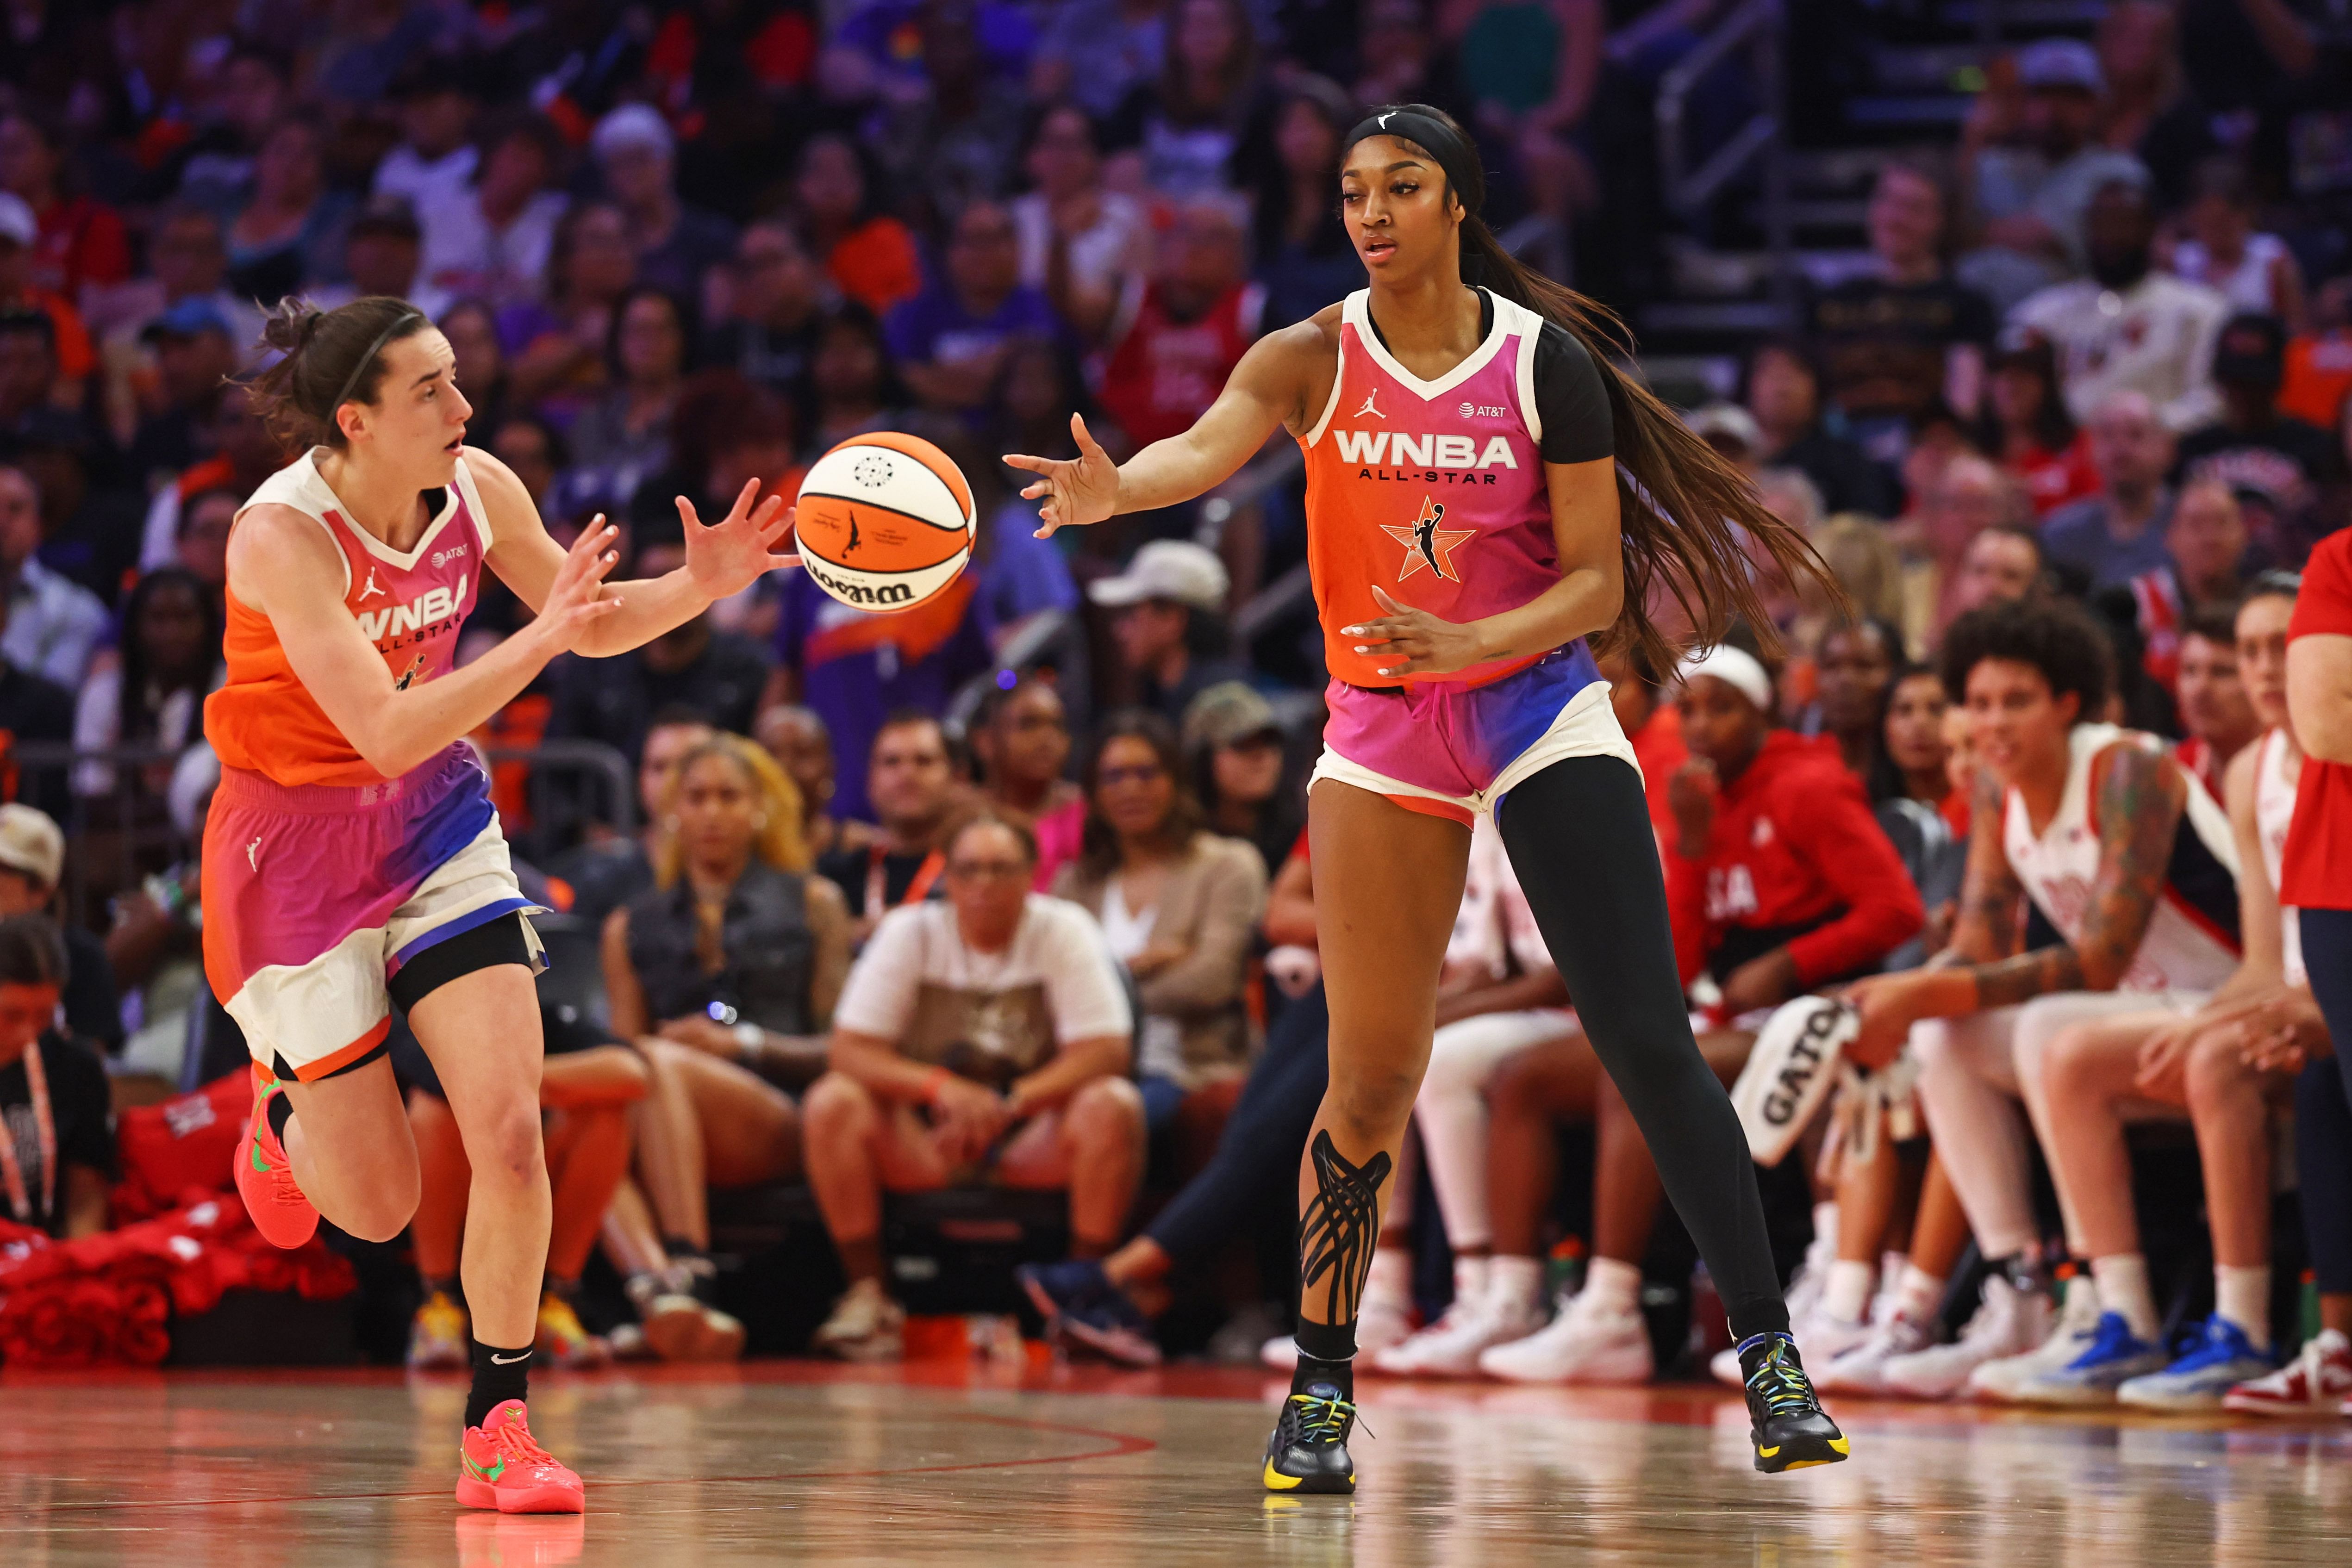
369, 357
1452, 152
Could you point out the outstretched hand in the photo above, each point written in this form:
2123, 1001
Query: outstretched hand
729, 556
577, 602
1084, 489
1416, 643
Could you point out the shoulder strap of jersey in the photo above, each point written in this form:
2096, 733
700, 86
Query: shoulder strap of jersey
1351, 314
464, 480
299, 487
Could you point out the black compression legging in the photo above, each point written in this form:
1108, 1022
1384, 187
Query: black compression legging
1580, 840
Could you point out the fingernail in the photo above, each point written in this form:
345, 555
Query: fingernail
1362, 648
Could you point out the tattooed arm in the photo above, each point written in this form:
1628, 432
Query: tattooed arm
1986, 927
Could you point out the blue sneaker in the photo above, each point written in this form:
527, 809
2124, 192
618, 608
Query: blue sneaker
2116, 1356
1081, 1305
2220, 1357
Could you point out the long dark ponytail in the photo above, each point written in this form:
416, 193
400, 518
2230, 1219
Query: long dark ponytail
1686, 514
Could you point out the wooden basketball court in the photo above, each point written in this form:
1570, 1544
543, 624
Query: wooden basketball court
935, 1464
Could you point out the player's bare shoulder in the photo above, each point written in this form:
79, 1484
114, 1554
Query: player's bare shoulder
274, 547
1303, 358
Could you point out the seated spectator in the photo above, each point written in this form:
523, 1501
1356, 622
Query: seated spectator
1967, 497
1179, 906
1865, 562
1167, 617
1177, 339
2319, 360
949, 341
489, 241
1098, 51
1779, 882
869, 255
194, 356
1081, 245
154, 949
1913, 797
725, 973
1183, 127
244, 453
982, 1039
82, 245
2034, 182
187, 257
2126, 864
557, 343
2028, 430
955, 137
725, 433
1783, 394
2154, 337
1022, 743
1856, 669
382, 250
54, 1102
769, 333
1652, 724
1234, 756
89, 524
33, 708
289, 231
912, 785
154, 696
797, 739
607, 870
2205, 548
2258, 452
53, 625
588, 1085
2095, 1077
2254, 272
854, 387
434, 165
2218, 719
2003, 562
624, 438
2112, 537
675, 244
1905, 335
70, 357
1301, 255
872, 50
32, 873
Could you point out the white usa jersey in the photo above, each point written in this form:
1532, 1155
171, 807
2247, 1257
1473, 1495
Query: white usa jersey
2273, 810
2191, 944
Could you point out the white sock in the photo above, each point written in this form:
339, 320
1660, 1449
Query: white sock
1613, 1286
1825, 1221
1472, 1272
1918, 1295
1845, 1296
1515, 1284
1890, 1270
1389, 1283
2243, 1296
2123, 1289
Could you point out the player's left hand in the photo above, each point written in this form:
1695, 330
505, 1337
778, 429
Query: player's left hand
1887, 1005
1410, 641
729, 556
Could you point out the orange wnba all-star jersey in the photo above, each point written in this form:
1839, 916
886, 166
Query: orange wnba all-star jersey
410, 604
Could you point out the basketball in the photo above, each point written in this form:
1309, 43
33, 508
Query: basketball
885, 521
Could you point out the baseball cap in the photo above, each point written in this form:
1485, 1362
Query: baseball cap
1179, 569
16, 220
1226, 713
2051, 64
1725, 422
633, 127
189, 319
2251, 351
31, 844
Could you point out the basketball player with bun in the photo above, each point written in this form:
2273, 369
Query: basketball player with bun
1485, 492
353, 859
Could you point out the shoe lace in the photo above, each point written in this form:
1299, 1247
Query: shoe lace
1322, 1420
514, 1442
1781, 1384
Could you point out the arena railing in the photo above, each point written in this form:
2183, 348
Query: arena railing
1692, 183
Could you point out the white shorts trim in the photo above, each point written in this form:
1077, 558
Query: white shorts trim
1586, 726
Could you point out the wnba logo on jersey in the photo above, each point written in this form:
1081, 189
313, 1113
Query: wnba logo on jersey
1394, 447
396, 620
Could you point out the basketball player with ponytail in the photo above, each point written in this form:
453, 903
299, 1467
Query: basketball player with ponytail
351, 857
1486, 497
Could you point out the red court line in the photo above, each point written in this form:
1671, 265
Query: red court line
1121, 1445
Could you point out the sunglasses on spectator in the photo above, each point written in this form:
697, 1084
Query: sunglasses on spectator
1142, 773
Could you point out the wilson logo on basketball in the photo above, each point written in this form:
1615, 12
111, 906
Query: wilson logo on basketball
865, 595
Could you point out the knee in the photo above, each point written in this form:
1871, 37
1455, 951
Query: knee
1371, 1104
2216, 1075
383, 1208
838, 1107
1105, 1115
2062, 1064
511, 1146
1456, 1066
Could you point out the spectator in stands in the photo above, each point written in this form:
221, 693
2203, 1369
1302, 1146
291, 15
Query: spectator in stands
204, 537
797, 739
54, 1107
1081, 243
154, 696
33, 708
726, 973
2034, 183
623, 437
1167, 617
2254, 272
1302, 257
557, 345
53, 625
1021, 575
608, 871
1968, 497
489, 240
32, 875
2319, 358
2154, 335
675, 244
2216, 714
2004, 563
2028, 428
854, 387
1098, 51
154, 948
1178, 338
1857, 664
1894, 341
472, 327
434, 164
2114, 537
869, 256
382, 251
949, 341
773, 293
1185, 127
2205, 548
955, 137
1234, 756
2147, 109
912, 784
1022, 743
983, 1037
192, 356
288, 231
188, 257
1784, 394
1651, 724
2256, 450
90, 529
245, 453
248, 94
82, 245
1179, 906
1528, 70
67, 357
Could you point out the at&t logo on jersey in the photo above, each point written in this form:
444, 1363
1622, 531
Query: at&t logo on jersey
1452, 459
426, 610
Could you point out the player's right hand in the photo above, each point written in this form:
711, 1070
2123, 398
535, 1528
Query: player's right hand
1084, 489
577, 601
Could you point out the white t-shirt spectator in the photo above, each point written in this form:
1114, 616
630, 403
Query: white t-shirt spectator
427, 182
1057, 949
54, 625
466, 257
2154, 338
1100, 257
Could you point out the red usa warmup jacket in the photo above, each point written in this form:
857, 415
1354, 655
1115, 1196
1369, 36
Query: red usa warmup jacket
1796, 859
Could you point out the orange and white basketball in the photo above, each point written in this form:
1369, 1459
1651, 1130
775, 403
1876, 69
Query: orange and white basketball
885, 521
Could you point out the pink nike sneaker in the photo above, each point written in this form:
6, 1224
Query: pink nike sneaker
501, 1466
265, 1179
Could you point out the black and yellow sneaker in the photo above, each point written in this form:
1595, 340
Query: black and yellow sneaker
1308, 1450
1785, 1418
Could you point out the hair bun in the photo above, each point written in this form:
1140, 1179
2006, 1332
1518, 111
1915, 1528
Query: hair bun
292, 324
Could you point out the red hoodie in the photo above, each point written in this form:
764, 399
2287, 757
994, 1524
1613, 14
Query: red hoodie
1795, 859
